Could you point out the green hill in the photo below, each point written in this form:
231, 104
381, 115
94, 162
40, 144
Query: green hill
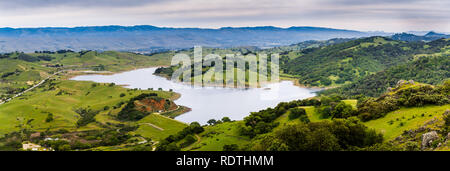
349, 61
17, 75
79, 111
19, 71
334, 123
79, 115
430, 69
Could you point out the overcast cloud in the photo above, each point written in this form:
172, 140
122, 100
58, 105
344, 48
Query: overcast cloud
365, 15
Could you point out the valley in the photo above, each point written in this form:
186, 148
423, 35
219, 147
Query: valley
107, 101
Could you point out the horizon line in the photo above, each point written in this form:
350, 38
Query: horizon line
228, 27
205, 28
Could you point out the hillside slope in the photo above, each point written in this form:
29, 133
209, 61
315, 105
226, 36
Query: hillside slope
147, 38
347, 62
425, 68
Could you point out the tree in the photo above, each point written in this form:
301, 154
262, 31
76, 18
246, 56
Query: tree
342, 110
172, 147
106, 108
231, 147
297, 137
338, 134
323, 140
196, 128
226, 119
212, 122
49, 117
296, 113
304, 119
325, 81
65, 147
188, 141
324, 111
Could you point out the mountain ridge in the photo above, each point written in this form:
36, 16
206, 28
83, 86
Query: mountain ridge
430, 36
146, 38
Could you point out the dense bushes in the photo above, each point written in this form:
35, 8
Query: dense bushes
58, 145
87, 116
11, 141
88, 139
112, 137
28, 58
296, 113
299, 113
170, 143
230, 147
164, 71
7, 74
342, 110
422, 95
215, 122
410, 96
353, 60
45, 58
430, 70
49, 117
333, 107
262, 121
339, 134
447, 118
188, 140
336, 110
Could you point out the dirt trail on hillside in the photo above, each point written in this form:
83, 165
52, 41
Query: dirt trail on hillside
154, 126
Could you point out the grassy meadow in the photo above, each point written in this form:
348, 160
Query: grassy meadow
158, 127
215, 137
394, 123
63, 99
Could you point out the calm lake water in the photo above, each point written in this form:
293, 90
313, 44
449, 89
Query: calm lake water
209, 102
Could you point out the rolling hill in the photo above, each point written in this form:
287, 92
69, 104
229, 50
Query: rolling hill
349, 61
426, 68
430, 36
19, 71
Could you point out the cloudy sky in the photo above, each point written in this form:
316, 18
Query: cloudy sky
364, 15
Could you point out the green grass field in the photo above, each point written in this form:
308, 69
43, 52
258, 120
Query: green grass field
61, 102
394, 123
312, 115
17, 74
215, 137
20, 74
112, 60
168, 127
351, 102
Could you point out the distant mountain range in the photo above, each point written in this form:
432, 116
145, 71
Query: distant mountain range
430, 36
147, 38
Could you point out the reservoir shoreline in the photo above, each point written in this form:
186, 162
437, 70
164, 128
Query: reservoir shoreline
208, 102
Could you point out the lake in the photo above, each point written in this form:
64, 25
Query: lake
209, 102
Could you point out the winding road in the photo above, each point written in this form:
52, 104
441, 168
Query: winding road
31, 88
